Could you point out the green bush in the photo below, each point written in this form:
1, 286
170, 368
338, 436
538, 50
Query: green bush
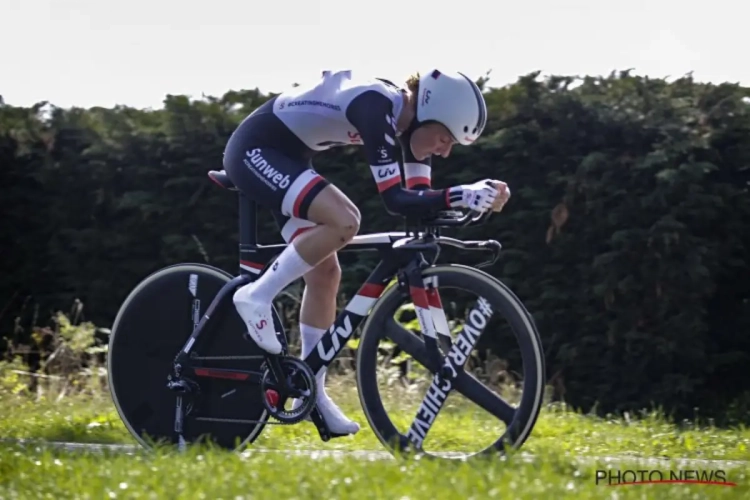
625, 236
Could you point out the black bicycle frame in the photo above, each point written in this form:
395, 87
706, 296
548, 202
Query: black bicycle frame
254, 258
403, 255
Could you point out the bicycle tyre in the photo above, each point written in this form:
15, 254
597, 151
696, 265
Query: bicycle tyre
522, 324
150, 328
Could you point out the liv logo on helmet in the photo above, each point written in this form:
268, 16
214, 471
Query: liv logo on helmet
426, 96
268, 172
452, 99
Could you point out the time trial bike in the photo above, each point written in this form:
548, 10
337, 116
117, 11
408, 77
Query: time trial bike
182, 371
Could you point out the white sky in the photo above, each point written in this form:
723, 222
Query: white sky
134, 52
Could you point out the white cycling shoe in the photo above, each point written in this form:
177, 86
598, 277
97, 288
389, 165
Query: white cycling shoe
337, 422
258, 319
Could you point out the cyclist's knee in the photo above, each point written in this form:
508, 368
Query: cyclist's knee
346, 222
335, 210
347, 219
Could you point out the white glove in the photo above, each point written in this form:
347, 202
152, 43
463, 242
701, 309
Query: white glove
478, 196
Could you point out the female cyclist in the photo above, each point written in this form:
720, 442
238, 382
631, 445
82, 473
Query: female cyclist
268, 157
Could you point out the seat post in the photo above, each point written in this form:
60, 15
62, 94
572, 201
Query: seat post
248, 221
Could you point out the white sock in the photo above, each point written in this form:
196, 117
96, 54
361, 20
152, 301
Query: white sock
289, 266
310, 336
335, 418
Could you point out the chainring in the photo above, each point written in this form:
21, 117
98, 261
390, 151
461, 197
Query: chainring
302, 386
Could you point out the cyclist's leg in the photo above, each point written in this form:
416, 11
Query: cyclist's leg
317, 313
318, 308
336, 222
280, 182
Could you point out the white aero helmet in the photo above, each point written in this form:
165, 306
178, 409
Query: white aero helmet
455, 101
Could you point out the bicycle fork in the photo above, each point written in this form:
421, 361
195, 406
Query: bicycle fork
435, 330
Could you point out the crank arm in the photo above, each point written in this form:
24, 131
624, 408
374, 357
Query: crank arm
323, 430
320, 424
278, 373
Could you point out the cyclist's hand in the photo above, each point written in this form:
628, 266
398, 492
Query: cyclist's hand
479, 196
503, 195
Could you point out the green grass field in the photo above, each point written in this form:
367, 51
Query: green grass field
42, 471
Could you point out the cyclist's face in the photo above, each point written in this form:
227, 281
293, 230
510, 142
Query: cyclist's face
431, 139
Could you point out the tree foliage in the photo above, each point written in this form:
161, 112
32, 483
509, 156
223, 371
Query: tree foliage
624, 236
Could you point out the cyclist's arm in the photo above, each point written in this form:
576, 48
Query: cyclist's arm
417, 173
372, 114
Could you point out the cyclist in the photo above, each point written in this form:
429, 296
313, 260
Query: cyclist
268, 157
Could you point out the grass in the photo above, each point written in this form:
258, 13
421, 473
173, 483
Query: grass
41, 471
95, 420
568, 455
211, 474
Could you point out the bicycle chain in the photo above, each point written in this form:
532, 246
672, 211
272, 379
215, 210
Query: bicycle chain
220, 358
241, 421
264, 368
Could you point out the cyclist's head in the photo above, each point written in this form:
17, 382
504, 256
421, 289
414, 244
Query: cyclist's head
450, 109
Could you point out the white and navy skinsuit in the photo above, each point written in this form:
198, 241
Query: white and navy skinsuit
268, 156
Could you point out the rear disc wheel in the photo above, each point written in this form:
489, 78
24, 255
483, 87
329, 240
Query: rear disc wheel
151, 327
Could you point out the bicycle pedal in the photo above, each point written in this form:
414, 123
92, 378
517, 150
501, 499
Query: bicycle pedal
335, 435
